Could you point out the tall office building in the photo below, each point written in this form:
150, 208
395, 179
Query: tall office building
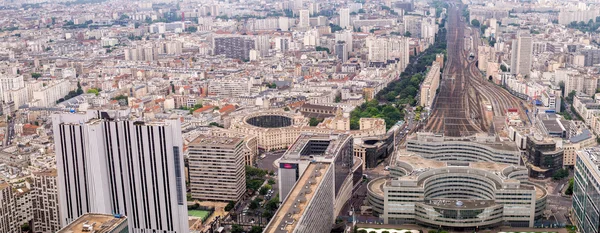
109, 163
316, 176
304, 19
345, 18
586, 191
45, 202
236, 47
522, 52
216, 168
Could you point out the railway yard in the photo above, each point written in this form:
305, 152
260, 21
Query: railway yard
461, 105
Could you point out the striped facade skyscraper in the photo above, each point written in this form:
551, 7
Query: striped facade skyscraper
108, 163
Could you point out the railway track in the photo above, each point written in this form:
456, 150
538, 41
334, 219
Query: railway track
459, 108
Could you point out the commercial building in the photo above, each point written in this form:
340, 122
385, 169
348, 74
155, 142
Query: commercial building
522, 54
109, 162
236, 47
430, 85
586, 191
542, 156
216, 168
456, 195
45, 201
475, 148
97, 223
316, 178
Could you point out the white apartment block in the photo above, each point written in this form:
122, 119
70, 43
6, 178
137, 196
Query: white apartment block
52, 92
216, 168
110, 163
229, 87
383, 49
9, 82
565, 17
45, 202
581, 83
430, 85
345, 18
304, 19
23, 205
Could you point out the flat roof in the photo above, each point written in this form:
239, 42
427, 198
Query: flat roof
292, 209
101, 223
460, 203
203, 140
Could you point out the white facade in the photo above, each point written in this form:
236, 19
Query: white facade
345, 18
522, 52
304, 19
49, 94
121, 167
7, 210
45, 202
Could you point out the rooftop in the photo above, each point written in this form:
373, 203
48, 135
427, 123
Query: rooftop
215, 141
332, 143
99, 223
292, 209
460, 204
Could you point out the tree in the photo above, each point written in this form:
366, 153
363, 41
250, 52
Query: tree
263, 191
36, 75
407, 34
503, 68
256, 229
287, 109
314, 121
235, 228
475, 23
230, 206
362, 231
271, 181
25, 227
254, 204
560, 174
569, 190
571, 96
319, 48
191, 29
93, 91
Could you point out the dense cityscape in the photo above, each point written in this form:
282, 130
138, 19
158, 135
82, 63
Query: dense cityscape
299, 116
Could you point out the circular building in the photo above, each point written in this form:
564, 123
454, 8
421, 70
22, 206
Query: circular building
456, 195
273, 129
